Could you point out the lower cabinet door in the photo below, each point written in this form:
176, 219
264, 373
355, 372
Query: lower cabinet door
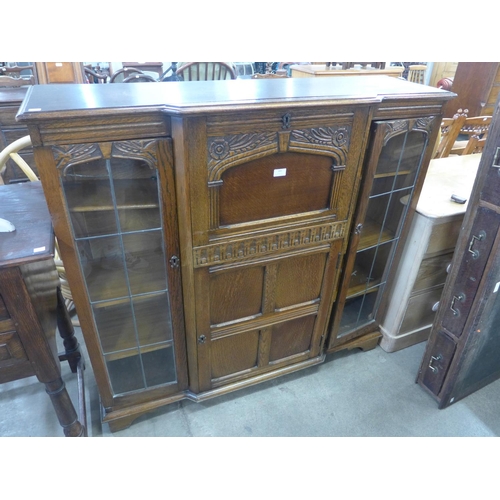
259, 316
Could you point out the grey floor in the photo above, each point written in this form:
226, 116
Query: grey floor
352, 394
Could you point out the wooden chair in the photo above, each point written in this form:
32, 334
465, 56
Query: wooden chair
198, 71
11, 81
123, 73
153, 67
416, 73
136, 77
94, 76
280, 73
474, 126
474, 145
450, 128
11, 152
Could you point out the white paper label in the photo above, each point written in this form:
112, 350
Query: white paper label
59, 64
39, 249
279, 172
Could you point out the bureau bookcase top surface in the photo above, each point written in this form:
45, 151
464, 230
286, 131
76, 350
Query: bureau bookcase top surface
189, 97
205, 226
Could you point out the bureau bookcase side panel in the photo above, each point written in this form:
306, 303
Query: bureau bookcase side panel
396, 162
120, 244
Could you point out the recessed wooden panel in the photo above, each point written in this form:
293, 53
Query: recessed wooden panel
299, 279
234, 354
291, 337
11, 349
236, 294
3, 310
274, 186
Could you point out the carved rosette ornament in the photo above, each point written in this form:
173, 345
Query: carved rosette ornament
227, 151
328, 140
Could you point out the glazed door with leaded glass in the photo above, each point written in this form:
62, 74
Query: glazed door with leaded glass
119, 198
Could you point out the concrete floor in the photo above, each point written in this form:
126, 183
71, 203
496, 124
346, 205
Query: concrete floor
352, 394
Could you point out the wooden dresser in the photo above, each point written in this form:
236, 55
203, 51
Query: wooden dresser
30, 305
463, 352
320, 70
428, 251
211, 230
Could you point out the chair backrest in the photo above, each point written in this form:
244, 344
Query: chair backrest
476, 125
280, 73
120, 75
450, 128
10, 81
474, 145
416, 73
197, 71
136, 77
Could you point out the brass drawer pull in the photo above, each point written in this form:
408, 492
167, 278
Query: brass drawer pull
434, 358
461, 298
475, 253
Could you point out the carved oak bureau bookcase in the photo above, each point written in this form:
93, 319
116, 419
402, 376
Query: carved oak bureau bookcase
217, 234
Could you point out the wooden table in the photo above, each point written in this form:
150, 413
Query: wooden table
428, 251
31, 304
315, 70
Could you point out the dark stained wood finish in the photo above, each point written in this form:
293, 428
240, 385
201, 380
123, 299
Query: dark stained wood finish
29, 302
260, 178
468, 310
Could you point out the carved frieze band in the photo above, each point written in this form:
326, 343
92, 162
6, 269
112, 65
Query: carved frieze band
251, 247
73, 154
396, 127
224, 152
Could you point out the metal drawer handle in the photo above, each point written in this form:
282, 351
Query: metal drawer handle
434, 358
461, 298
475, 253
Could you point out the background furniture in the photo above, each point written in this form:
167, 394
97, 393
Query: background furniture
428, 251
196, 71
10, 131
472, 126
31, 305
416, 73
463, 351
256, 190
60, 72
321, 70
450, 130
477, 85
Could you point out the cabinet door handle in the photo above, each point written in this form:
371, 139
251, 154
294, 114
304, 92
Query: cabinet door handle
461, 298
480, 237
434, 358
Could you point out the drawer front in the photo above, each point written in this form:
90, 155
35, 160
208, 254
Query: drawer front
444, 236
432, 272
419, 312
471, 269
436, 365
